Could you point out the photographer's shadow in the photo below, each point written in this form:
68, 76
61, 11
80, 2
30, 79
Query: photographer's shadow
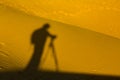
38, 39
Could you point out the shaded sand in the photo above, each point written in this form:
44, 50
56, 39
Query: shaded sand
48, 75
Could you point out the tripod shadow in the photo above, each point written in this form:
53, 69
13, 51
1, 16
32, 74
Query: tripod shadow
38, 39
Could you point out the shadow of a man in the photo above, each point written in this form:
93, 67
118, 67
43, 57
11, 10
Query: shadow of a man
38, 39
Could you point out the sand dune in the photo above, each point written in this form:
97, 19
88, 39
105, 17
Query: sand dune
77, 49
